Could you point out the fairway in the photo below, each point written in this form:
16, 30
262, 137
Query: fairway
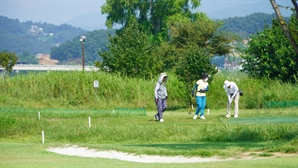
265, 120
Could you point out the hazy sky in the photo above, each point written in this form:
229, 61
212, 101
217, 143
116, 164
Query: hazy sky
60, 11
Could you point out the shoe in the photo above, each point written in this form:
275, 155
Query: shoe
236, 116
195, 117
202, 117
227, 116
156, 117
161, 120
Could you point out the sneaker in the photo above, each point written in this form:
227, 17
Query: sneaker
202, 117
195, 117
161, 120
235, 116
227, 116
156, 117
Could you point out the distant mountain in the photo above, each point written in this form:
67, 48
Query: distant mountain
89, 21
245, 10
34, 38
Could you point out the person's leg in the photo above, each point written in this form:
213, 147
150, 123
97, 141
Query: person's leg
228, 109
203, 104
159, 108
198, 100
236, 105
164, 105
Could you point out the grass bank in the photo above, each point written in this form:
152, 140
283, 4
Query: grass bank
74, 90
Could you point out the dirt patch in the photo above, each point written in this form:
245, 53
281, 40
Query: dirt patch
85, 152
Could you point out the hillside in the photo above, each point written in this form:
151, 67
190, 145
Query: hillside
63, 44
34, 38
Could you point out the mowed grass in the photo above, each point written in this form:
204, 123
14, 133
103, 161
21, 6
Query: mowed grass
32, 155
179, 135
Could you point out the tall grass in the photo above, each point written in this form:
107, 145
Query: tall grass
74, 90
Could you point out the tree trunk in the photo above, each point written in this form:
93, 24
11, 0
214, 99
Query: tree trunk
284, 26
295, 7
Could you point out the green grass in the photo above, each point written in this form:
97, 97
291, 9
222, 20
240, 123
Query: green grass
65, 101
25, 155
74, 90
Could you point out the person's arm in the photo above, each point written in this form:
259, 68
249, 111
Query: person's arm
226, 90
155, 91
194, 89
235, 87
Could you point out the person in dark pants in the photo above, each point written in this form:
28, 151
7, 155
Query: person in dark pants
161, 96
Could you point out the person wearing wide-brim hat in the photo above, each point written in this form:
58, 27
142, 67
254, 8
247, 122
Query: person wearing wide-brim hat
161, 96
199, 90
233, 94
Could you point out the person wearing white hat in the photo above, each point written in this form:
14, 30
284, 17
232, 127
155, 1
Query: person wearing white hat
233, 94
161, 96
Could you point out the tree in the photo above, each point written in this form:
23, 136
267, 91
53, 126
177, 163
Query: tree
196, 43
284, 25
270, 55
8, 60
131, 53
27, 57
150, 14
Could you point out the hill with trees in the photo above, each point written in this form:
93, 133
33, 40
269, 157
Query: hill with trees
248, 25
27, 39
33, 38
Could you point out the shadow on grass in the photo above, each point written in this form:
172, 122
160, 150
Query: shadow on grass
205, 145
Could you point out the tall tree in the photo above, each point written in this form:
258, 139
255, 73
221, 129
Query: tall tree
131, 53
196, 43
150, 14
270, 55
284, 25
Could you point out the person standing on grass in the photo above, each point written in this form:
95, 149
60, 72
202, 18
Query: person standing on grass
200, 89
233, 94
161, 96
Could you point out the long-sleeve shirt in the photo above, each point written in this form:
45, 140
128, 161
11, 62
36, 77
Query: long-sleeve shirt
160, 90
232, 91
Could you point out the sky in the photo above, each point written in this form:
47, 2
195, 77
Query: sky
62, 11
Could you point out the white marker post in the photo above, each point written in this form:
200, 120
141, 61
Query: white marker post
208, 112
89, 119
42, 137
38, 115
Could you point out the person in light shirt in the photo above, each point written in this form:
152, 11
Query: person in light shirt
161, 96
233, 94
199, 90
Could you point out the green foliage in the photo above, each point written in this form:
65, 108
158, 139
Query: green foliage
270, 55
8, 60
28, 58
131, 54
71, 51
195, 45
151, 15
